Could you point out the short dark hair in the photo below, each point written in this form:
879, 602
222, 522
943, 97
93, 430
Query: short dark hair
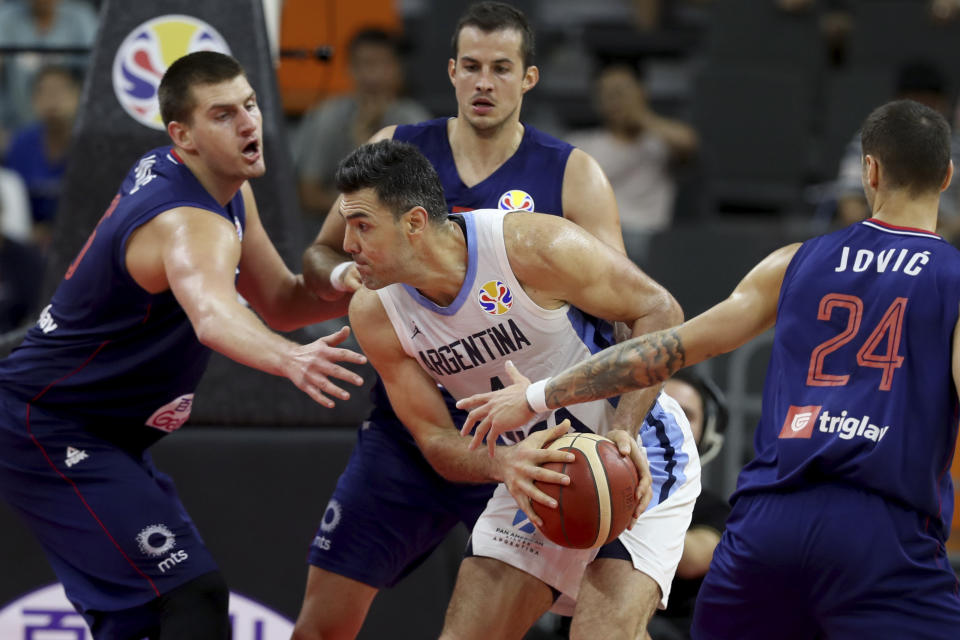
198, 68
496, 16
377, 37
912, 143
398, 173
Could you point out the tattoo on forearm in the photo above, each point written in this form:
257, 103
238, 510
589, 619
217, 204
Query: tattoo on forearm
635, 364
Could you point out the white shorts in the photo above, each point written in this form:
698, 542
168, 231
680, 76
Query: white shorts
655, 543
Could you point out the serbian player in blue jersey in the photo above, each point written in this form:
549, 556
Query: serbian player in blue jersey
112, 364
390, 509
839, 524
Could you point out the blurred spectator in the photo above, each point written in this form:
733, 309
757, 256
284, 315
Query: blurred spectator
945, 10
37, 23
38, 152
705, 408
922, 81
337, 126
21, 265
637, 149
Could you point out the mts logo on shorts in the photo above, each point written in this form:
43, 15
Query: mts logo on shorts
799, 421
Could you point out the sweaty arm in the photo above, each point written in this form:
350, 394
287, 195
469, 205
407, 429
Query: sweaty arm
326, 253
195, 253
589, 202
280, 297
418, 403
649, 359
556, 260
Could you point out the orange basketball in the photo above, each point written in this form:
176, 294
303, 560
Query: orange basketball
598, 503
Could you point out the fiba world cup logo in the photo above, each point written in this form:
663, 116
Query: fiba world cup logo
145, 54
495, 298
516, 200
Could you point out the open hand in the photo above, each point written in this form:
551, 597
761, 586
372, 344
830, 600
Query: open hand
312, 363
522, 465
496, 412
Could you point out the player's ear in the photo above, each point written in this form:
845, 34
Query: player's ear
415, 220
180, 135
947, 178
452, 70
530, 78
871, 171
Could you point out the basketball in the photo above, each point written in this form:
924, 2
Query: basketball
598, 503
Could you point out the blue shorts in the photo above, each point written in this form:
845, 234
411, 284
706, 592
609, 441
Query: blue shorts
390, 509
111, 525
828, 561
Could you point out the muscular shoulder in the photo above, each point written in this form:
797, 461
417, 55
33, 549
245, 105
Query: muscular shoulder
540, 247
366, 308
372, 326
534, 236
588, 199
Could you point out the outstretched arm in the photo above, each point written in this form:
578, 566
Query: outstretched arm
280, 297
194, 253
643, 361
589, 202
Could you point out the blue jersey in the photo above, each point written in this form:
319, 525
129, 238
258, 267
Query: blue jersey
859, 389
106, 352
531, 179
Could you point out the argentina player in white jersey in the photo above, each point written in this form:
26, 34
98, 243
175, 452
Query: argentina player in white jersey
451, 299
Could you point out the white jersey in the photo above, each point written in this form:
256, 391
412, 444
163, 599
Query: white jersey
465, 346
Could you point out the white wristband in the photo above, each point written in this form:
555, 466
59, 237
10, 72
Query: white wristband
536, 396
336, 276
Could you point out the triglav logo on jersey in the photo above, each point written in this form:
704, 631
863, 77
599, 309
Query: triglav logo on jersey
516, 200
146, 53
495, 298
799, 422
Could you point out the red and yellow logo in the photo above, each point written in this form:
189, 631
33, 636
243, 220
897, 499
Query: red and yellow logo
495, 298
516, 200
145, 54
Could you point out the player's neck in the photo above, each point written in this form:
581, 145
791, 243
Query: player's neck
905, 210
479, 152
222, 190
444, 265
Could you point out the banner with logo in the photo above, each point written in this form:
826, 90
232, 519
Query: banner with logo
45, 614
145, 54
